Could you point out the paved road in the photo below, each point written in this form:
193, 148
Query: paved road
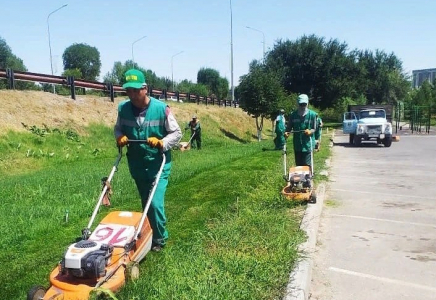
377, 236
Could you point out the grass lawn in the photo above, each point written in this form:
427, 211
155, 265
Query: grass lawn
232, 235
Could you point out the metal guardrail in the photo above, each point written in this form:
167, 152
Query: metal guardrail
11, 76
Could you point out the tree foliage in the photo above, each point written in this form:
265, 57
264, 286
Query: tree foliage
116, 76
10, 60
83, 57
327, 71
261, 94
217, 85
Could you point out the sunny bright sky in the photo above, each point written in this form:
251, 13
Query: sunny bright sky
201, 29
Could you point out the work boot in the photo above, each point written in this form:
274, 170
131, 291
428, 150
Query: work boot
157, 248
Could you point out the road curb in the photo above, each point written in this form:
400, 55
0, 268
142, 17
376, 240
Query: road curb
299, 279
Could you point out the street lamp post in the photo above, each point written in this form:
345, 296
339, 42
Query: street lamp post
231, 53
263, 40
172, 72
133, 58
49, 42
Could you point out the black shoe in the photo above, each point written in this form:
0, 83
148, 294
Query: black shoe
157, 248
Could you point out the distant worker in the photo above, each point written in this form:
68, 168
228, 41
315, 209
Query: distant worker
318, 133
303, 124
194, 124
145, 118
279, 140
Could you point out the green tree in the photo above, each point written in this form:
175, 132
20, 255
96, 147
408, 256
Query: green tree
223, 88
185, 86
72, 72
327, 71
9, 60
217, 85
199, 90
116, 75
260, 94
83, 57
425, 95
209, 77
382, 77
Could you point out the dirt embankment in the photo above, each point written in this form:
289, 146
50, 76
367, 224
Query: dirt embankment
39, 108
42, 108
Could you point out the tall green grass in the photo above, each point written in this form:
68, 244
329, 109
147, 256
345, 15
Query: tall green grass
232, 236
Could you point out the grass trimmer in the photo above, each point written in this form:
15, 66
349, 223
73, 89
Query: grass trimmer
103, 259
299, 179
186, 145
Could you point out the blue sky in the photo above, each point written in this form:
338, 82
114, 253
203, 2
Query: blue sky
201, 29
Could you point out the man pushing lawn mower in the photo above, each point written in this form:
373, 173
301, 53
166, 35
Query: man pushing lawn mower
145, 118
303, 123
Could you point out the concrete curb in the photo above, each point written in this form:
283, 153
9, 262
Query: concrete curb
299, 279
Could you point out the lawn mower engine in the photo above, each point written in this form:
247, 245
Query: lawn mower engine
299, 182
86, 259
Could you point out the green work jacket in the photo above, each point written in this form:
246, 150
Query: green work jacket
141, 155
298, 124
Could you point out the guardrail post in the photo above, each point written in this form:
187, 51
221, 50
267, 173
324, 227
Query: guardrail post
11, 78
70, 82
177, 95
198, 100
110, 87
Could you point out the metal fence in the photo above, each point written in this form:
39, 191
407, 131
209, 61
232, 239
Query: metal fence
111, 89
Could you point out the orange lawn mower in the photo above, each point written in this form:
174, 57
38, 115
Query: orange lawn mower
299, 180
103, 260
186, 145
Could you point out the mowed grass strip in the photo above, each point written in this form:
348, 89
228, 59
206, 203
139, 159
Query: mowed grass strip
232, 236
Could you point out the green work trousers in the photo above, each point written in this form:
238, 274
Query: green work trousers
279, 140
302, 158
196, 140
156, 212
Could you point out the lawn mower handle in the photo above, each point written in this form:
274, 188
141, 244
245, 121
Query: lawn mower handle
137, 141
86, 232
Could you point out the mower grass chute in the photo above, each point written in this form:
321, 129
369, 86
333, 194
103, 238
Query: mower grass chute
105, 258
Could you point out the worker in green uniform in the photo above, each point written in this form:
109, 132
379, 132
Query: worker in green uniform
303, 123
145, 118
279, 140
318, 133
195, 126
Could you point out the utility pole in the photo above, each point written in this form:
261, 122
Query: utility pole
133, 59
231, 53
49, 41
172, 72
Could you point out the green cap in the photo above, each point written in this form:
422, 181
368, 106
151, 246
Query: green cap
135, 79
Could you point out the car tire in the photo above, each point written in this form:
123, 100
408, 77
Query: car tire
351, 141
387, 141
357, 140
